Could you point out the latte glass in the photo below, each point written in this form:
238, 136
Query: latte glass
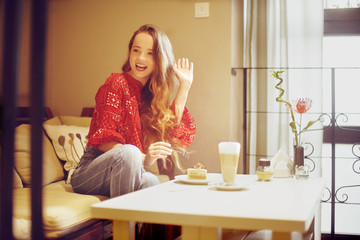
229, 158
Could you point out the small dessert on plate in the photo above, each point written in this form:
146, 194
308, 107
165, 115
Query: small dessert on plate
197, 173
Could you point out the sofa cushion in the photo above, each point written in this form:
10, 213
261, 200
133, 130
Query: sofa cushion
53, 121
63, 209
75, 121
21, 228
69, 143
163, 178
52, 169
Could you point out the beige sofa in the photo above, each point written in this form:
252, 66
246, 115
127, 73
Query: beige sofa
66, 214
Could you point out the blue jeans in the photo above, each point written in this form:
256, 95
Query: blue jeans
112, 173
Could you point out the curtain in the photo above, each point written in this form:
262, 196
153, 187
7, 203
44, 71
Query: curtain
295, 34
255, 49
283, 35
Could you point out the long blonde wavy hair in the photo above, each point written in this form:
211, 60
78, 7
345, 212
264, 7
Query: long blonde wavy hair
158, 93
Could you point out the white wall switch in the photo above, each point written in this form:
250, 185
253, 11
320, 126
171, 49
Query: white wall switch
202, 10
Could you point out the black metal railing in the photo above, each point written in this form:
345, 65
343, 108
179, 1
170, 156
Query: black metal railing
333, 133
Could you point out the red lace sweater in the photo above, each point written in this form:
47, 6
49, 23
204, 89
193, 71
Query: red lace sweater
116, 115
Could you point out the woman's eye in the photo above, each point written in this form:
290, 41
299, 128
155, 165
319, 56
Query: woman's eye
150, 53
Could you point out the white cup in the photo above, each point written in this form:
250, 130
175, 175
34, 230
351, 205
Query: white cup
229, 158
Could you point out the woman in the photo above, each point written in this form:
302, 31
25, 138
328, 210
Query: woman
136, 121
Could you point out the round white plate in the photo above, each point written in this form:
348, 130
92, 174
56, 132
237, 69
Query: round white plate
236, 187
183, 178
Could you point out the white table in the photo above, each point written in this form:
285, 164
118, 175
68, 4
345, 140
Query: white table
281, 205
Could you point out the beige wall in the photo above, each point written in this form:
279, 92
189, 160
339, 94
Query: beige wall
87, 40
24, 49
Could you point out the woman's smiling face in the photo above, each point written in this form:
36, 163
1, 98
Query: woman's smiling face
141, 57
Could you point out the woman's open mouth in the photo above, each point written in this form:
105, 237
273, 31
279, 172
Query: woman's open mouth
141, 67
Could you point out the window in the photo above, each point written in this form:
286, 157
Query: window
342, 17
341, 49
331, 4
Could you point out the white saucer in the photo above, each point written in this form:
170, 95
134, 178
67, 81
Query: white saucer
236, 187
183, 178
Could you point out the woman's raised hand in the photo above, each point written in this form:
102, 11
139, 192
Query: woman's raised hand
157, 150
184, 72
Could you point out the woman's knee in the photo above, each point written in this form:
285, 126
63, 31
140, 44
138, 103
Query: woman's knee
148, 180
132, 155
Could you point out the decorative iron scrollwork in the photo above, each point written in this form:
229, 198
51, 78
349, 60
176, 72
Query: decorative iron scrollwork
308, 151
322, 119
326, 198
345, 118
356, 151
345, 196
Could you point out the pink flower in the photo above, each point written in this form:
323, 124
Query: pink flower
302, 105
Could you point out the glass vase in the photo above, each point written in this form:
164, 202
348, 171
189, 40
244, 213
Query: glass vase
298, 156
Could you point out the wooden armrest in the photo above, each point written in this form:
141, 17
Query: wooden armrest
23, 115
87, 112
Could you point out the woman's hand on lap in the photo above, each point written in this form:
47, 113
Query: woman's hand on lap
157, 150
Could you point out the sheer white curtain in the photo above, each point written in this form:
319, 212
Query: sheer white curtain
295, 36
283, 34
255, 49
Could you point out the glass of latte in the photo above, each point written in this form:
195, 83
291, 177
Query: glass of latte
229, 158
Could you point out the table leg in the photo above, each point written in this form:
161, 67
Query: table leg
311, 230
200, 233
281, 235
121, 230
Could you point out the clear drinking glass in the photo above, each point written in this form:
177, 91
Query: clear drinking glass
302, 172
229, 158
